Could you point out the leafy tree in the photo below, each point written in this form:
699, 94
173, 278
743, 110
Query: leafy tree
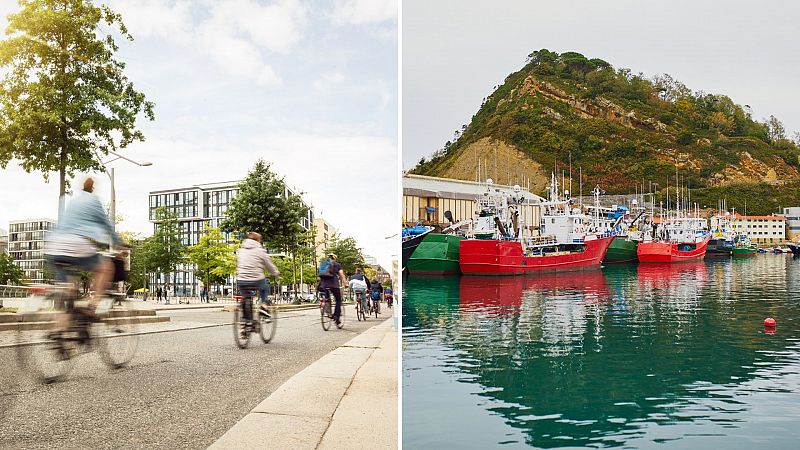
262, 206
166, 249
214, 258
775, 129
140, 263
65, 100
10, 273
347, 253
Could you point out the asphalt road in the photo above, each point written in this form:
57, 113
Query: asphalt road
184, 389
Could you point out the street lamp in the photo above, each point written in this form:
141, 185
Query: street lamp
110, 174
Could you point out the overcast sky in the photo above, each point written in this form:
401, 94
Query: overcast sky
455, 51
309, 86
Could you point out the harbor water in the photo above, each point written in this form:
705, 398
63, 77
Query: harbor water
630, 356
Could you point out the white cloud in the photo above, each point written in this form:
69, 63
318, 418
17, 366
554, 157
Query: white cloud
325, 82
157, 18
365, 12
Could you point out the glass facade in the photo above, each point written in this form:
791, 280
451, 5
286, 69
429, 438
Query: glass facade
197, 207
25, 245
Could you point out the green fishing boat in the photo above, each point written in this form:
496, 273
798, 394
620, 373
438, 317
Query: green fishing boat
621, 250
744, 250
437, 254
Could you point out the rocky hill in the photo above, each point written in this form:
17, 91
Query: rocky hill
621, 130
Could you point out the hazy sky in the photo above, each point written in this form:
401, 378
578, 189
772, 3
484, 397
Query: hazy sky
455, 51
308, 86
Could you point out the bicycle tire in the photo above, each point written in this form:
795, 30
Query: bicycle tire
117, 336
268, 324
241, 334
325, 313
341, 317
45, 358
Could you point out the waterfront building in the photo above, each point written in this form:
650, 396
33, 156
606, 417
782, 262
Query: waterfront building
3, 241
764, 230
792, 215
325, 232
426, 199
196, 207
26, 245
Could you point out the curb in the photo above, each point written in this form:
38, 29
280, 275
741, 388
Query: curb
304, 409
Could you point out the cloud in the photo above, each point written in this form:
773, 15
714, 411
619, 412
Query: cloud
365, 12
237, 35
325, 82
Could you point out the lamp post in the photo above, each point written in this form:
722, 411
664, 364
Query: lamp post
113, 206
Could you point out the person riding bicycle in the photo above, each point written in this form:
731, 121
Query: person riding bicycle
388, 294
73, 244
358, 283
330, 274
376, 291
251, 262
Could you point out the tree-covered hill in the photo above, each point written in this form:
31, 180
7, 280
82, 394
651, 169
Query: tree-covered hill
621, 129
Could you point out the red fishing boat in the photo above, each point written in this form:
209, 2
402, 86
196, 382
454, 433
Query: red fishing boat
567, 240
496, 257
671, 252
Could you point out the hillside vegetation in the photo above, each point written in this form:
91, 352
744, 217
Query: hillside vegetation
622, 130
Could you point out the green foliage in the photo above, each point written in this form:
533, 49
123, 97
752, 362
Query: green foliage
758, 198
261, 206
10, 273
140, 265
166, 249
213, 256
620, 127
347, 252
65, 100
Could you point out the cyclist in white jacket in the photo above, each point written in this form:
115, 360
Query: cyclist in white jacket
251, 262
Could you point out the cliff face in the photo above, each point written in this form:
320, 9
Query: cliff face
621, 130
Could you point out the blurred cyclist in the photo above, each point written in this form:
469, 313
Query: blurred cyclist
251, 262
74, 243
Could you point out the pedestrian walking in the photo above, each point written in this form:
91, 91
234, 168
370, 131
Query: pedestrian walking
158, 293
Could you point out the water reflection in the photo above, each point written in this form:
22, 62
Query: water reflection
601, 358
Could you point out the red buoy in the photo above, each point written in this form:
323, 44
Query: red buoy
769, 322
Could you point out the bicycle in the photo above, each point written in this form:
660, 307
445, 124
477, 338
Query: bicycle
265, 324
326, 310
361, 307
376, 307
50, 354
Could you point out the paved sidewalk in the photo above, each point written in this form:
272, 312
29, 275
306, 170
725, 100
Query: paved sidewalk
329, 403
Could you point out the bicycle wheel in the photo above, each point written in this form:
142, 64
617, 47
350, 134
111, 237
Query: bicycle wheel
116, 335
44, 353
325, 314
268, 321
341, 317
241, 332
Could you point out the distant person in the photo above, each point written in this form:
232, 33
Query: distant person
376, 292
158, 293
330, 274
359, 284
251, 262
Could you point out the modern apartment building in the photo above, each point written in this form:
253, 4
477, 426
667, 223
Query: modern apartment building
792, 215
3, 241
196, 207
325, 232
26, 244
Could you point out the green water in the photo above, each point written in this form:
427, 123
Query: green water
646, 356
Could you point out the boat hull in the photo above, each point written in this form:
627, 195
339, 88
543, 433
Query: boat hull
621, 250
717, 248
668, 252
409, 245
794, 248
437, 254
743, 251
494, 257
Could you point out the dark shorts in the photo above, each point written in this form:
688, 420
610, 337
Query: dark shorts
63, 265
